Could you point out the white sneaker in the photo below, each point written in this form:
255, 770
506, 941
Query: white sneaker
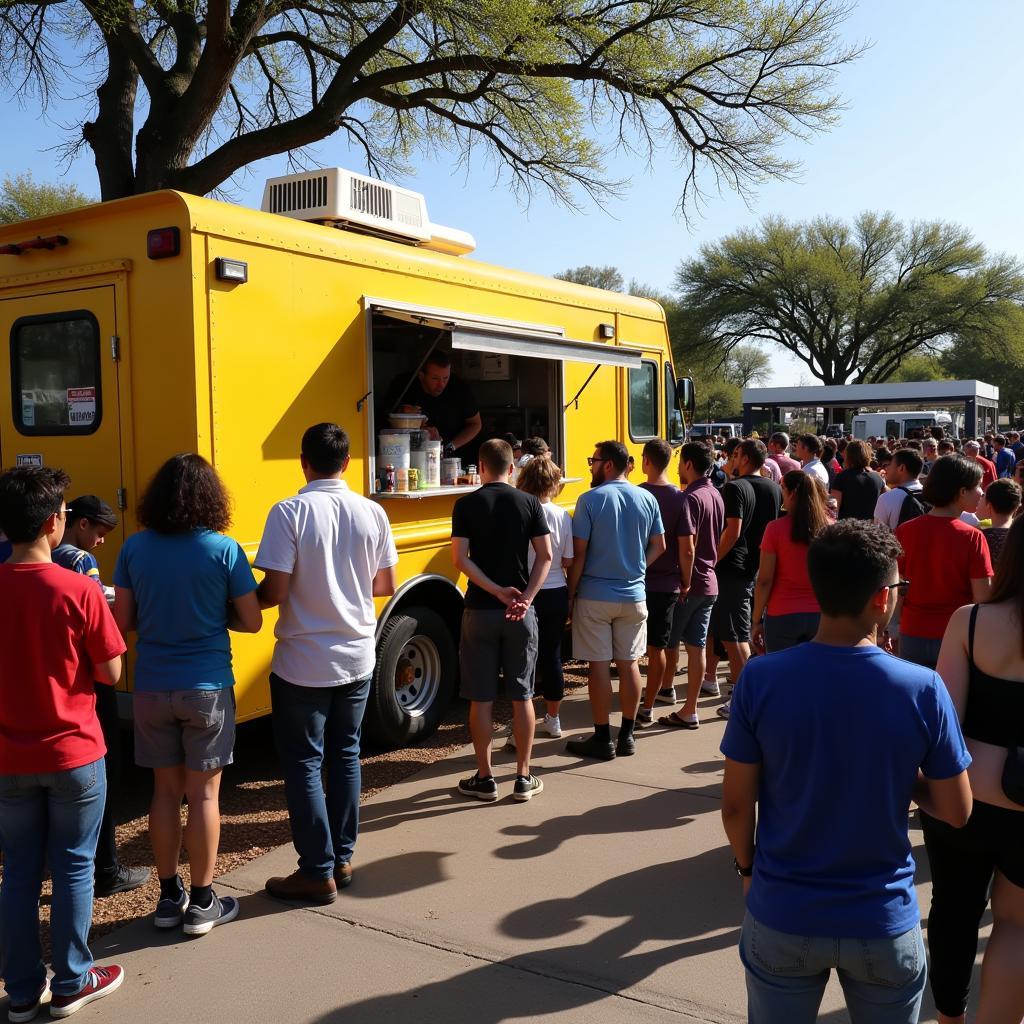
553, 725
723, 710
710, 688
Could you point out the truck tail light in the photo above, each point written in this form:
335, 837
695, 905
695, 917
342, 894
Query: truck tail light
162, 243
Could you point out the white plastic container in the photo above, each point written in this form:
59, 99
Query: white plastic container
393, 448
432, 449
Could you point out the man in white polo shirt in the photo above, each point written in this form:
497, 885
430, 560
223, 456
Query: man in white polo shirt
326, 553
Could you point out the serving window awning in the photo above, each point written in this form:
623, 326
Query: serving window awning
508, 337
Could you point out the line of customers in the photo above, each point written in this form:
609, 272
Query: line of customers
645, 564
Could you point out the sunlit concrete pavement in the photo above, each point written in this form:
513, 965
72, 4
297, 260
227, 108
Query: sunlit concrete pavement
609, 897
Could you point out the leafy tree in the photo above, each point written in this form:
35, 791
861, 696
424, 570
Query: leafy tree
748, 365
996, 358
920, 366
607, 278
218, 84
22, 198
851, 301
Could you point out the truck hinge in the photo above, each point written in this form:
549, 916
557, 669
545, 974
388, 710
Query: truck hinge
115, 347
122, 497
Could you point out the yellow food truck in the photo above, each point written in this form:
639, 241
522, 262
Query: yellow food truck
165, 323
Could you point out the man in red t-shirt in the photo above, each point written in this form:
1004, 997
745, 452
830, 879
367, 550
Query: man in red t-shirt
972, 450
57, 637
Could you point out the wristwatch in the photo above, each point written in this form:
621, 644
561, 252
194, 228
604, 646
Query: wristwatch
741, 871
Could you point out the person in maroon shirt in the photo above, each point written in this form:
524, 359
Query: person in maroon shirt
57, 637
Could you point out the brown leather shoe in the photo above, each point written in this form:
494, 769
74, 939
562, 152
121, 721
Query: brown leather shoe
343, 876
302, 888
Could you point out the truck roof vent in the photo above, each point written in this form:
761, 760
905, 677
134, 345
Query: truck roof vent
355, 202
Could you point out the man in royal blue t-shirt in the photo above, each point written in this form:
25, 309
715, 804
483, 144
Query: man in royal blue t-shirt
830, 741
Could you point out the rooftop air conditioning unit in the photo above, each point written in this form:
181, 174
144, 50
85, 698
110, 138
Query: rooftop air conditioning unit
347, 200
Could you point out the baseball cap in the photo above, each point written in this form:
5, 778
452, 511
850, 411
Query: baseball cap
88, 506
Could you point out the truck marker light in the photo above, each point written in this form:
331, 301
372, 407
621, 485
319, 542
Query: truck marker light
162, 243
236, 271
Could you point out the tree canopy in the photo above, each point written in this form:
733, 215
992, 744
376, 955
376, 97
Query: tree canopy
607, 278
188, 92
22, 198
851, 301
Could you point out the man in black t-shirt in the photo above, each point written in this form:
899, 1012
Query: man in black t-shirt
453, 415
751, 501
492, 531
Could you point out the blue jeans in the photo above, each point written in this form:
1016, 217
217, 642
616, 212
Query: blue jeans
48, 820
920, 650
316, 728
883, 979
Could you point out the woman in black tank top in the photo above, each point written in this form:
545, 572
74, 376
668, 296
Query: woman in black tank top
982, 664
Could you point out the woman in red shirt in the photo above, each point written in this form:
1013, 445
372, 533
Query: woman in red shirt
783, 596
945, 560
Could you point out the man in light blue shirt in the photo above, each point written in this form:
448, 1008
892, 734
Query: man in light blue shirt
617, 532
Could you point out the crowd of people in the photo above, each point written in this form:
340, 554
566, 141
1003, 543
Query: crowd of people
843, 584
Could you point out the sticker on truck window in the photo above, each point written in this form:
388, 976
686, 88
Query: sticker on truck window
28, 410
29, 460
81, 406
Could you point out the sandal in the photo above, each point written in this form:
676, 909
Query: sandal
675, 721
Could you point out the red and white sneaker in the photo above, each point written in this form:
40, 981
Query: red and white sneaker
99, 982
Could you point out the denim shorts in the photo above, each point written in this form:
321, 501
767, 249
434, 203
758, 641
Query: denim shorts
691, 620
191, 727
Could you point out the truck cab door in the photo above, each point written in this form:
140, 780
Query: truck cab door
59, 400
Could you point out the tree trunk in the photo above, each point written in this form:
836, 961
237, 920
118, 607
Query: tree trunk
110, 135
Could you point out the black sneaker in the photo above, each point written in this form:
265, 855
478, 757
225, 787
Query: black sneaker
200, 920
526, 787
598, 749
124, 879
21, 1013
170, 913
482, 789
644, 719
626, 746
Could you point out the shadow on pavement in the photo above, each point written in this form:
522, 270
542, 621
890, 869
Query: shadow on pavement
660, 810
647, 932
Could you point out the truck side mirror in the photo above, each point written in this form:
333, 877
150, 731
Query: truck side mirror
686, 395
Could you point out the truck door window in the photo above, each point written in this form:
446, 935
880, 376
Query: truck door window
643, 402
55, 373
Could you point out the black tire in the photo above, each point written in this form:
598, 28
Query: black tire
413, 679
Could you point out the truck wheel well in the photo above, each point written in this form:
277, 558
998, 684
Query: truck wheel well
437, 594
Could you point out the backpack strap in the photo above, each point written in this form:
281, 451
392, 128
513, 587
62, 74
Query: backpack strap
970, 633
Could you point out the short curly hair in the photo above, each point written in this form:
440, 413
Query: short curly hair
185, 494
540, 477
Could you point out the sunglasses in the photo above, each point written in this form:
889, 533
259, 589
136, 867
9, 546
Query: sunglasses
898, 585
591, 461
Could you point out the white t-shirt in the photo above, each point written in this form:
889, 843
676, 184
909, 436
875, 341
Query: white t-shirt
890, 503
815, 468
560, 524
332, 542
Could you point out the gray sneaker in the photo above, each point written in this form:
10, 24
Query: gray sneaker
171, 913
200, 920
710, 688
526, 787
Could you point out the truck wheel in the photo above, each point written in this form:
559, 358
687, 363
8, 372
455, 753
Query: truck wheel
413, 680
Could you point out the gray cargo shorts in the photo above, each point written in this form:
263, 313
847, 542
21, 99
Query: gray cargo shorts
191, 727
492, 645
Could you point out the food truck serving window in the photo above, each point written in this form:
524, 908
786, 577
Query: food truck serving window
55, 374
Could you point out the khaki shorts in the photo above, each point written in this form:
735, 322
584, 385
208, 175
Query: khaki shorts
609, 630
195, 728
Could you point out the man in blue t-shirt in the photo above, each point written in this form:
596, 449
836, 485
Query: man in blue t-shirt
831, 741
617, 533
1003, 457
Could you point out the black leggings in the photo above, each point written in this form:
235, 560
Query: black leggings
963, 861
552, 608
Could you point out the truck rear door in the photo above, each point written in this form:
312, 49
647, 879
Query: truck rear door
59, 400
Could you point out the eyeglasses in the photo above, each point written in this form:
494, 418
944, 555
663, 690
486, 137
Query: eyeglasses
65, 511
591, 461
898, 585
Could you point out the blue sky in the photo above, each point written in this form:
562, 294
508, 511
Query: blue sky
933, 129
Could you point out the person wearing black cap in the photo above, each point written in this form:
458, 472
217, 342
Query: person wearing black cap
89, 520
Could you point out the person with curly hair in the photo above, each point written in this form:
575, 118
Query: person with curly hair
181, 584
